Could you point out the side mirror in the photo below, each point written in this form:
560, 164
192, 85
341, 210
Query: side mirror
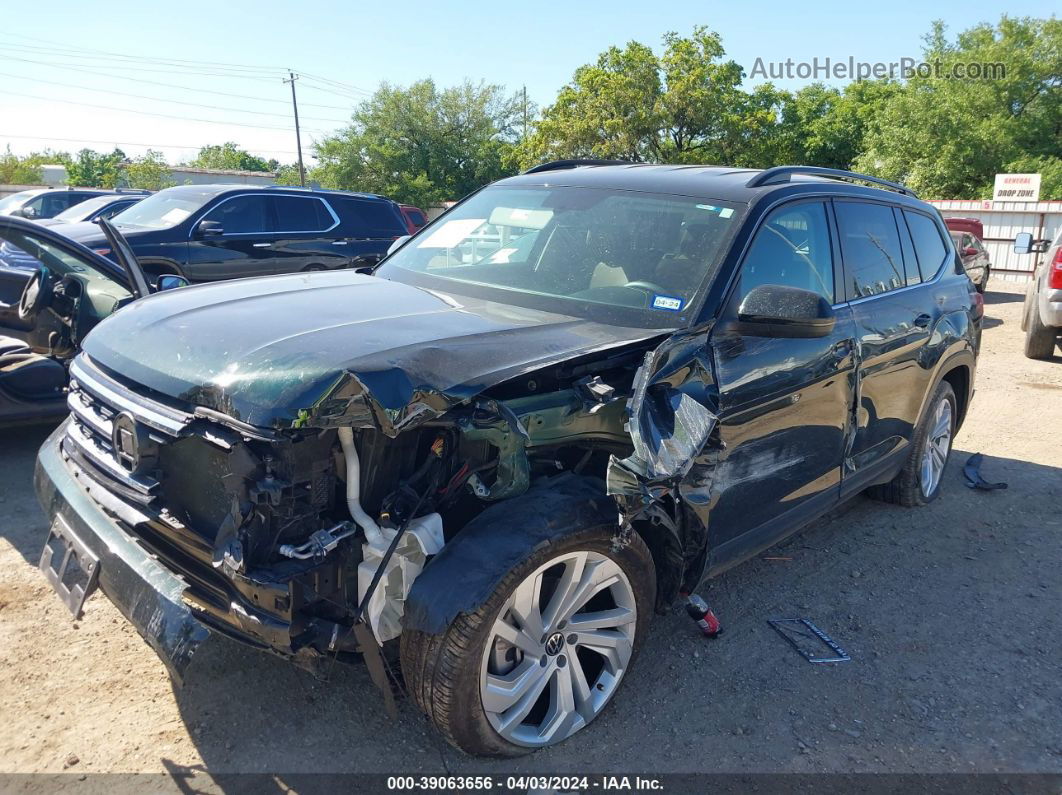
399, 242
209, 229
24, 212
773, 310
1023, 243
169, 281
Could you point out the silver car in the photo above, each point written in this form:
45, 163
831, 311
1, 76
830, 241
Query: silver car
1042, 318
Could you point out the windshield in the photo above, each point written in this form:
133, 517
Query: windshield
621, 257
84, 209
165, 209
15, 199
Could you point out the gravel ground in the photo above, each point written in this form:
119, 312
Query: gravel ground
950, 612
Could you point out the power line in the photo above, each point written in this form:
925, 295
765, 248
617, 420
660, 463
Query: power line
135, 143
166, 85
151, 113
336, 83
80, 52
168, 101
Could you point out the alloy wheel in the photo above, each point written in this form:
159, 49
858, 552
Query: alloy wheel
558, 649
937, 447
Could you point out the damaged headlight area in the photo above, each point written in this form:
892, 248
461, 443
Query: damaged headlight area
290, 538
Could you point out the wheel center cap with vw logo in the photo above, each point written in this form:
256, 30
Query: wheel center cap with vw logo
554, 643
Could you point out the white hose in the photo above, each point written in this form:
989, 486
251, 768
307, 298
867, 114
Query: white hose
373, 534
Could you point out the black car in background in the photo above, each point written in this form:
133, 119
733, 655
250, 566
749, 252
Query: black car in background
46, 202
107, 205
214, 232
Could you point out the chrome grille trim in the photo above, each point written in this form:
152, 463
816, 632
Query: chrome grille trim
101, 456
155, 415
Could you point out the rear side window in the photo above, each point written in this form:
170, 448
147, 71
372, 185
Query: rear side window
368, 218
792, 248
302, 214
929, 246
243, 215
417, 217
870, 247
910, 261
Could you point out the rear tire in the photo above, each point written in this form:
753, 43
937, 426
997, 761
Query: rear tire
922, 476
449, 675
1039, 339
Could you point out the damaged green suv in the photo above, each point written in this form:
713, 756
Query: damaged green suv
571, 398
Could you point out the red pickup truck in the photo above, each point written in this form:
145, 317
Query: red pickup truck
969, 234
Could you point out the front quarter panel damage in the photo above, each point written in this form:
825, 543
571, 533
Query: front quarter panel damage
666, 484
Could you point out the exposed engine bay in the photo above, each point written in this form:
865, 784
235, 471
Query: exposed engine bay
297, 535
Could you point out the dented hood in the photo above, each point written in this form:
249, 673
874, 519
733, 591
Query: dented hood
334, 348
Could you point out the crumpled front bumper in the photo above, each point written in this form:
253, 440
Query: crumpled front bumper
145, 592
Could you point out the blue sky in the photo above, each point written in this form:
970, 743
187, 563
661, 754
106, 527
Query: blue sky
45, 63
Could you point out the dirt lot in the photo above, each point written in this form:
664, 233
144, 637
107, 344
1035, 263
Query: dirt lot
951, 615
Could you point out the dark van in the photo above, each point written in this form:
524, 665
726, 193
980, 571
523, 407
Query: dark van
213, 232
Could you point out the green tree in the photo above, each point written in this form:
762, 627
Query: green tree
95, 170
150, 171
229, 156
287, 174
947, 137
421, 144
26, 170
683, 106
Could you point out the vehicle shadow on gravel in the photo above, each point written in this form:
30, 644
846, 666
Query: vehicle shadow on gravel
22, 523
993, 297
910, 594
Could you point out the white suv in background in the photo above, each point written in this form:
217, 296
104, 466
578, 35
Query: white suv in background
1042, 319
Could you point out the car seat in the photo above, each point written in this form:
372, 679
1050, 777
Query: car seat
27, 375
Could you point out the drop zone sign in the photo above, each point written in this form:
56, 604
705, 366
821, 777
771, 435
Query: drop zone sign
1016, 188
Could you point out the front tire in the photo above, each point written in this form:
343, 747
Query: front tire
543, 656
922, 475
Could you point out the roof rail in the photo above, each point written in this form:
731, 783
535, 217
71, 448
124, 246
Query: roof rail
557, 165
772, 176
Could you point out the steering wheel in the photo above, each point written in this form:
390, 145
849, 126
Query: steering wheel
36, 295
649, 288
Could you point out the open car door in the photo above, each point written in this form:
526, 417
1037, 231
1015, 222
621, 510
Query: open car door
123, 254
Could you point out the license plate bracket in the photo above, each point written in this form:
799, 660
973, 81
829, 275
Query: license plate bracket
70, 567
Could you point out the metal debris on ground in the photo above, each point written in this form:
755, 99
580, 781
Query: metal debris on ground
972, 471
808, 640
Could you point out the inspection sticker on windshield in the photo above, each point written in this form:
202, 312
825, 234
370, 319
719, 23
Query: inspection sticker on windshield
667, 302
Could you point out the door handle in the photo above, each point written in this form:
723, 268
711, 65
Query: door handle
923, 321
842, 349
339, 242
261, 245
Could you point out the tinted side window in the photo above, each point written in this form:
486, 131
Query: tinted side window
870, 246
243, 215
927, 242
55, 203
366, 218
791, 248
301, 214
417, 217
910, 261
114, 209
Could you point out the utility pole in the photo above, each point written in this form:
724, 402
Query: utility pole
298, 138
